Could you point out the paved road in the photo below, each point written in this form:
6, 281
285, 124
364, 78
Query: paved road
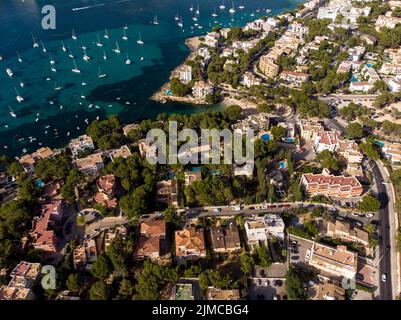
384, 231
108, 222
348, 97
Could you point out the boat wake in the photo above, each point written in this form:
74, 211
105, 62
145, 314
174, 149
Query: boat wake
88, 7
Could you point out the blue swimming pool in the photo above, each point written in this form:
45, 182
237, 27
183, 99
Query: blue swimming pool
265, 137
354, 78
379, 143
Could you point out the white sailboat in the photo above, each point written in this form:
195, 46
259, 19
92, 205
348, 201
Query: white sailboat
214, 14
195, 18
1, 58
197, 10
35, 44
9, 72
53, 69
106, 34
43, 47
18, 97
19, 57
139, 41
75, 69
57, 87
82, 95
128, 61
124, 37
85, 57
117, 48
126, 27
232, 9
155, 22
191, 8
241, 7
98, 43
222, 6
63, 47
180, 24
104, 55
268, 10
52, 62
12, 113
100, 74
70, 53
21, 84
177, 17
73, 35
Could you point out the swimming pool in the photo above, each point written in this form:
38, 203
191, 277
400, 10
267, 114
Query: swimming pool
379, 143
354, 78
265, 137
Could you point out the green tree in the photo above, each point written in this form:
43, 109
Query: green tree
247, 263
171, 216
74, 283
102, 267
328, 160
99, 291
278, 132
369, 204
295, 284
354, 130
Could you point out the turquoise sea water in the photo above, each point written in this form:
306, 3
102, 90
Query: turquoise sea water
51, 117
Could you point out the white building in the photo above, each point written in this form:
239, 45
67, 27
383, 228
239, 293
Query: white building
201, 89
258, 230
249, 79
395, 84
81, 144
185, 73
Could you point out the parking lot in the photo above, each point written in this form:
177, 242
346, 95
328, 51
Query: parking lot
297, 254
267, 289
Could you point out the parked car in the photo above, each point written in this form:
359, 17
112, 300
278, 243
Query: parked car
384, 277
294, 257
267, 283
258, 283
294, 251
264, 207
369, 215
216, 210
354, 294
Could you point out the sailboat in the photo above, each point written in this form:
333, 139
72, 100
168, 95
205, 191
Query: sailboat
191, 8
18, 97
222, 6
75, 69
181, 24
232, 9
63, 47
197, 10
12, 113
53, 69
126, 27
21, 84
35, 44
82, 95
106, 34
9, 72
241, 7
128, 61
98, 43
43, 47
117, 48
104, 55
1, 58
177, 17
268, 10
52, 62
70, 53
85, 57
214, 14
74, 36
155, 22
56, 87
100, 74
139, 41
19, 57
195, 17
124, 35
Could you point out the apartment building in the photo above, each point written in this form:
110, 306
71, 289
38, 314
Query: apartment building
90, 165
268, 67
337, 261
81, 144
225, 238
331, 186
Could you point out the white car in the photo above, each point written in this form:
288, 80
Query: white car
369, 215
384, 277
264, 207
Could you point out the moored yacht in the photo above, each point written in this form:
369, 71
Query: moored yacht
12, 113
35, 44
98, 43
18, 97
63, 47
139, 41
222, 6
73, 35
117, 48
75, 69
100, 74
124, 37
128, 61
9, 72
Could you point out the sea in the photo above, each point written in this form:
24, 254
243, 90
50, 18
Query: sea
59, 104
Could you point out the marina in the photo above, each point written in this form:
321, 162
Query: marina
119, 75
